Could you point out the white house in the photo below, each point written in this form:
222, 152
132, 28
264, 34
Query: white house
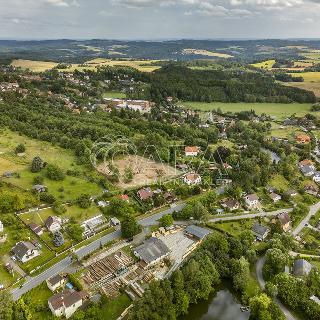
275, 197
316, 177
251, 201
53, 223
192, 179
191, 151
25, 251
56, 282
65, 303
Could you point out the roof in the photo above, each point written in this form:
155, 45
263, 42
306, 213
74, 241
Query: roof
51, 220
284, 218
124, 197
306, 162
302, 137
230, 203
191, 149
197, 231
301, 267
252, 197
274, 196
145, 193
35, 227
259, 229
67, 298
55, 279
22, 247
192, 176
152, 249
307, 169
291, 192
38, 187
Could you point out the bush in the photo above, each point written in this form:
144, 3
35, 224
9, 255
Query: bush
37, 164
55, 173
20, 148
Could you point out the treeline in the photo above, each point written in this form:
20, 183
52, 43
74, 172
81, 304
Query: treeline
219, 258
221, 85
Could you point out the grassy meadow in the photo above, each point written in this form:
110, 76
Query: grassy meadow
278, 110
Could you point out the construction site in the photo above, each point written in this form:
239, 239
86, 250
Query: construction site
157, 257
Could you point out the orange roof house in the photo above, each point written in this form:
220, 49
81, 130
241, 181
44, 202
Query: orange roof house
303, 138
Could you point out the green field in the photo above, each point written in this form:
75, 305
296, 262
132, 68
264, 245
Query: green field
114, 94
278, 110
68, 189
265, 64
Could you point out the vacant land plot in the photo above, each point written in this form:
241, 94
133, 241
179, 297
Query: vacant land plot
207, 53
278, 110
68, 189
35, 66
145, 171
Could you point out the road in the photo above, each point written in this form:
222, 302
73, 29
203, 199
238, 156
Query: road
262, 283
33, 282
312, 211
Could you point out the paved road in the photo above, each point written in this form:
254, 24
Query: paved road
251, 215
312, 211
33, 282
262, 283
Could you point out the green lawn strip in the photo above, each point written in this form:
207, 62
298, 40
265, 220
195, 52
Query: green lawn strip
279, 110
114, 94
113, 308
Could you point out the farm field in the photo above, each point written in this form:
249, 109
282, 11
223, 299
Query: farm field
41, 66
264, 64
278, 110
145, 171
207, 53
311, 82
68, 189
114, 94
35, 66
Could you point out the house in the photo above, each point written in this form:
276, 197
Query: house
103, 204
307, 171
311, 188
306, 162
39, 188
1, 226
303, 138
285, 221
25, 251
36, 229
192, 179
291, 193
316, 176
53, 223
251, 201
145, 194
230, 204
260, 231
152, 251
301, 268
66, 303
56, 282
197, 232
115, 221
93, 225
191, 151
8, 174
124, 197
182, 166
275, 197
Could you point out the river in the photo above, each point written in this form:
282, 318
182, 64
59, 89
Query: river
221, 305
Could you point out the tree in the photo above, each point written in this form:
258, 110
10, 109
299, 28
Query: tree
128, 174
180, 297
240, 273
119, 208
59, 208
166, 220
58, 239
129, 227
55, 173
6, 305
75, 231
199, 212
20, 148
275, 263
84, 201
37, 164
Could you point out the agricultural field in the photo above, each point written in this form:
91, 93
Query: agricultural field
145, 171
278, 110
114, 94
35, 66
206, 53
264, 64
311, 82
68, 189
41, 66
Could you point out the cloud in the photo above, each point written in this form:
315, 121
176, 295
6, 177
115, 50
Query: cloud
57, 3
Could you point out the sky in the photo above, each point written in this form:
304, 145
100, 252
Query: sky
159, 19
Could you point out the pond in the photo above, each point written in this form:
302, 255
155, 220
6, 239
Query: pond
221, 305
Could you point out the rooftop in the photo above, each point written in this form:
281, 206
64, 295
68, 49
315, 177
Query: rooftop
197, 231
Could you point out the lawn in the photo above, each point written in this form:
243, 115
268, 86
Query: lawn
68, 189
114, 94
234, 227
113, 308
279, 182
278, 110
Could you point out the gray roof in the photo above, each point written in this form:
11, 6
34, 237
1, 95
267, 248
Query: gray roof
197, 231
306, 169
22, 247
55, 279
152, 249
301, 267
259, 229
